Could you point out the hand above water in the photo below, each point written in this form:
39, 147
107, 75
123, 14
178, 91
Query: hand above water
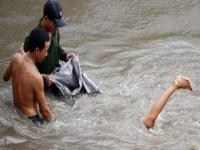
70, 55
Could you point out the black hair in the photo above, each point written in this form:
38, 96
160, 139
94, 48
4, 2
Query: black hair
37, 39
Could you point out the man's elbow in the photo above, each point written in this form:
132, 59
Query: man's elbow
6, 78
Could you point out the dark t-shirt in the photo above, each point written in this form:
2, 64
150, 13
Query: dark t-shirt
55, 53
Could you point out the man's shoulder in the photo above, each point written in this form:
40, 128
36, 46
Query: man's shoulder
17, 58
37, 80
37, 77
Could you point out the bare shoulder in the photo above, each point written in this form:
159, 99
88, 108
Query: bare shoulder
37, 80
38, 77
37, 84
17, 58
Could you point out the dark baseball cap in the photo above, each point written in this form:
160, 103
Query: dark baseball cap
53, 10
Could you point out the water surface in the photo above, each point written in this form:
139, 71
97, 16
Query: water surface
132, 49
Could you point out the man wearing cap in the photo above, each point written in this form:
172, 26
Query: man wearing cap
50, 22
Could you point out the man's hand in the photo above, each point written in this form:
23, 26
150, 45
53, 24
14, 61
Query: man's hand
48, 79
70, 55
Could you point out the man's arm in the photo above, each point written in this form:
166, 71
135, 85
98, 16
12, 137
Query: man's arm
40, 99
181, 82
63, 55
61, 52
7, 73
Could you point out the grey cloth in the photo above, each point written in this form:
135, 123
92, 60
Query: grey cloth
70, 80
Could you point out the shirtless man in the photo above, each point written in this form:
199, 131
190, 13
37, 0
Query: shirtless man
27, 82
180, 82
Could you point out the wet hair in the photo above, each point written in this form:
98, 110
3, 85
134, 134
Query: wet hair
37, 39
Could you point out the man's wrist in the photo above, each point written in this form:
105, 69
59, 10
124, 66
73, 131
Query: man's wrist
66, 56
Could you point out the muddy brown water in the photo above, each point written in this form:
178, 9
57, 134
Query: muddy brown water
132, 49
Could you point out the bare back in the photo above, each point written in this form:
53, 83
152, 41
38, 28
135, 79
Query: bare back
23, 74
27, 84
